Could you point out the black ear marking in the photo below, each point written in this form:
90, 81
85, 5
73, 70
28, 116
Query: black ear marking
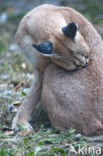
70, 30
45, 47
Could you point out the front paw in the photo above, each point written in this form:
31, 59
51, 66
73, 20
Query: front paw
18, 124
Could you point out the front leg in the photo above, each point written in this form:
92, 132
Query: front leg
29, 103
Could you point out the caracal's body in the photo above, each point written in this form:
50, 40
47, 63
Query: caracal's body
60, 35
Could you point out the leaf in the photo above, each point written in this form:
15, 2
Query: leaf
23, 94
9, 133
37, 149
30, 154
40, 143
48, 140
25, 132
71, 131
21, 126
17, 102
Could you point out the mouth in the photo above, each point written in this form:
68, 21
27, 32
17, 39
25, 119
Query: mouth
76, 69
86, 63
83, 65
79, 67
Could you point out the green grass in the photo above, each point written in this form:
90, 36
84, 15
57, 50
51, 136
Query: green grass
5, 152
93, 11
46, 142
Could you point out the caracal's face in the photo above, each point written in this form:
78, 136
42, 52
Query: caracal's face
74, 53
68, 49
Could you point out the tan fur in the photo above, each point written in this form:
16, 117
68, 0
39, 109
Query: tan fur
42, 24
75, 99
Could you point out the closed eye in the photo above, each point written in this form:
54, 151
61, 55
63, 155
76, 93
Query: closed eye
84, 55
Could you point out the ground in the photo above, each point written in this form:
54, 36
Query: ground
15, 79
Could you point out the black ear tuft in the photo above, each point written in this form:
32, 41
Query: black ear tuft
45, 47
70, 30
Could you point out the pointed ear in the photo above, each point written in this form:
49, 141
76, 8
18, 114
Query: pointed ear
44, 48
70, 30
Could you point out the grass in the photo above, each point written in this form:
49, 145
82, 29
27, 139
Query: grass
92, 11
45, 142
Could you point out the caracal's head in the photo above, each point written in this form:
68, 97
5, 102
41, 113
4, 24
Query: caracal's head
67, 48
